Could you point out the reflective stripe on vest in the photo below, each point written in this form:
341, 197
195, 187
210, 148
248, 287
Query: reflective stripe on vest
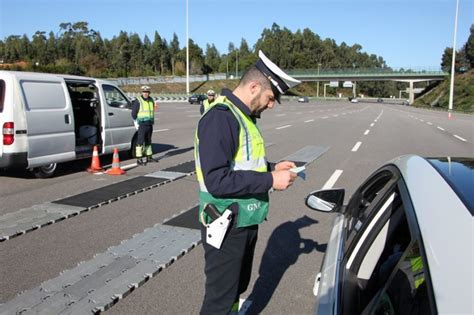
146, 111
208, 105
250, 153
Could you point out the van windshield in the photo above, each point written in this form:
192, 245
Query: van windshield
2, 94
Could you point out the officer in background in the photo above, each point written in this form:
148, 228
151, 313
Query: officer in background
211, 97
143, 114
233, 173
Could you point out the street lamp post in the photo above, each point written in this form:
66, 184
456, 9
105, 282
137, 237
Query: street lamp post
451, 86
187, 50
317, 87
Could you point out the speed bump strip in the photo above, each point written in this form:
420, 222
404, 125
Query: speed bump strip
29, 219
95, 285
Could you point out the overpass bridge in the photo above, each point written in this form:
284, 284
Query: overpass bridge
377, 74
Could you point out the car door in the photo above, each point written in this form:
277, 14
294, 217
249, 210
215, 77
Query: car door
49, 118
381, 241
118, 128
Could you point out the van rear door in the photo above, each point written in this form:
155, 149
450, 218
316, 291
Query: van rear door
50, 121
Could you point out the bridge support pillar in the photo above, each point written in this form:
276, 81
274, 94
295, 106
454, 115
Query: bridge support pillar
354, 89
411, 93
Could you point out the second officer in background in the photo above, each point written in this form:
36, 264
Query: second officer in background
143, 113
206, 104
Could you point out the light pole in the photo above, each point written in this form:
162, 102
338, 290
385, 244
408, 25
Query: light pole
451, 86
317, 87
187, 50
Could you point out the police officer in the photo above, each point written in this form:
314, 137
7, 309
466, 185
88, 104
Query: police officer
144, 115
211, 97
233, 174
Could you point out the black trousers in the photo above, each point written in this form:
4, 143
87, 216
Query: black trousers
228, 269
144, 134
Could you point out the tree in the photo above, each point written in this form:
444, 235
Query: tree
469, 48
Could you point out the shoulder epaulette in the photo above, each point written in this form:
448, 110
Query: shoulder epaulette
221, 107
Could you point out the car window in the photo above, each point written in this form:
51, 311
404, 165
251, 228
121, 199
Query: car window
384, 238
114, 97
364, 202
406, 291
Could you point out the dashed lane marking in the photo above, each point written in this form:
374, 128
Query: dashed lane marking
366, 132
160, 130
332, 180
309, 120
462, 139
356, 146
440, 128
283, 127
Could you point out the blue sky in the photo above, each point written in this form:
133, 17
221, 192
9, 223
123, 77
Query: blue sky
406, 33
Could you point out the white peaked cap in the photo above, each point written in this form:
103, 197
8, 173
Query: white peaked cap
280, 80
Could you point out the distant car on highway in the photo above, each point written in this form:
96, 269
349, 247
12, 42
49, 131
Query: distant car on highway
303, 99
197, 98
402, 243
354, 100
380, 100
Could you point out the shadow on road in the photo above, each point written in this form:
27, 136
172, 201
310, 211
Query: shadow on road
284, 247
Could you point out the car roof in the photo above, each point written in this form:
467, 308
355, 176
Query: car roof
445, 223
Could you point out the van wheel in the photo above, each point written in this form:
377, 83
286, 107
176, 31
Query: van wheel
45, 171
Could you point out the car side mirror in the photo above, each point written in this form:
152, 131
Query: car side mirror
328, 200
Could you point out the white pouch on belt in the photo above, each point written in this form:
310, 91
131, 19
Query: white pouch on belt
216, 230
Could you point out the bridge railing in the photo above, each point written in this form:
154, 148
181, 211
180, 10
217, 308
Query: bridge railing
365, 71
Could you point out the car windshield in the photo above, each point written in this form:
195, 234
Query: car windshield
459, 174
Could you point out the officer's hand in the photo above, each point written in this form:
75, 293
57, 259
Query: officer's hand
285, 165
282, 179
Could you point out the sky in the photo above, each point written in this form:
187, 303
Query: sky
405, 33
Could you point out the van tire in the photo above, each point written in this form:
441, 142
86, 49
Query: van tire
45, 171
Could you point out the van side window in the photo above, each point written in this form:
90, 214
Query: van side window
34, 93
2, 94
114, 97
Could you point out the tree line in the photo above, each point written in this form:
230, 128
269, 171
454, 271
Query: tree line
78, 49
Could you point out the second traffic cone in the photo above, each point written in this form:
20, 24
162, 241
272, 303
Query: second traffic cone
115, 170
95, 165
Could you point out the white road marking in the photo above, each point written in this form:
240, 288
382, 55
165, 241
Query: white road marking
310, 120
332, 180
194, 115
356, 146
422, 120
279, 115
283, 127
160, 130
440, 128
462, 139
372, 124
335, 115
429, 123
325, 117
366, 132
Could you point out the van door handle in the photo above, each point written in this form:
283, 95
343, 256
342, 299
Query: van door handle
111, 114
67, 119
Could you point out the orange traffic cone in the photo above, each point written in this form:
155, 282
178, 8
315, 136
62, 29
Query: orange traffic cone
115, 170
95, 165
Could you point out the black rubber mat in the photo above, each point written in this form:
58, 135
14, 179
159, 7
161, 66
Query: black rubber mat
187, 167
188, 219
110, 192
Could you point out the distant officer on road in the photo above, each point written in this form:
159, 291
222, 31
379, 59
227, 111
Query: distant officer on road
143, 113
211, 97
233, 174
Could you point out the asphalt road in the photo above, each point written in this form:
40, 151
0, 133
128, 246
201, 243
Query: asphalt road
360, 137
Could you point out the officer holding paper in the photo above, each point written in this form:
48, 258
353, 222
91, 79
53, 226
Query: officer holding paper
234, 175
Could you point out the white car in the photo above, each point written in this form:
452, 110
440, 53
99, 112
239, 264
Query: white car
354, 100
404, 242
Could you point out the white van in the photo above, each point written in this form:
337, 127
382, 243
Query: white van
51, 118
